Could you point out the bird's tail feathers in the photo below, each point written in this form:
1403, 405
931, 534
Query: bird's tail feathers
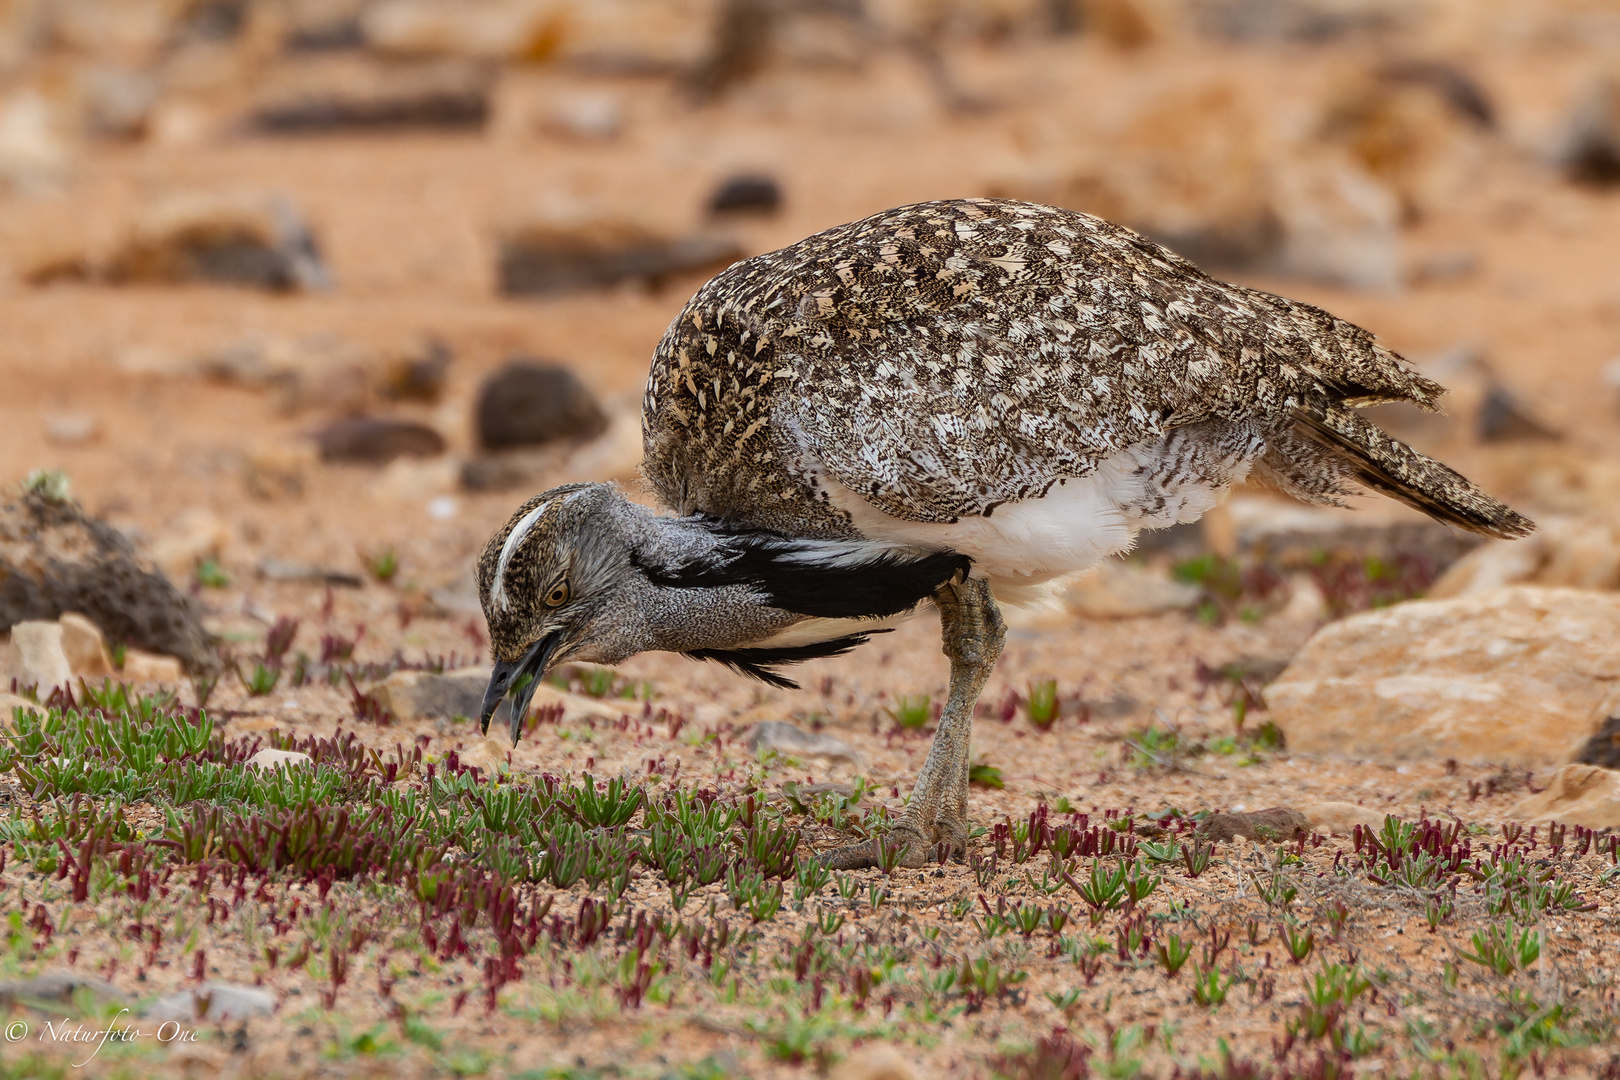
1368, 455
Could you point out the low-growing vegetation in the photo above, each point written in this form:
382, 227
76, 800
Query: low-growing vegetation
388, 894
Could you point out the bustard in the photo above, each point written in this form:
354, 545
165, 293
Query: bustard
953, 401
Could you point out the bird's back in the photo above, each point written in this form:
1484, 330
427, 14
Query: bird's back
943, 359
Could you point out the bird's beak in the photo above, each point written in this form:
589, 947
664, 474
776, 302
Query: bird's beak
508, 675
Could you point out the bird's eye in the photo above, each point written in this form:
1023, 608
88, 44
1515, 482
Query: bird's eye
558, 596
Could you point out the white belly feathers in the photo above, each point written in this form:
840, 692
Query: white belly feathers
1080, 521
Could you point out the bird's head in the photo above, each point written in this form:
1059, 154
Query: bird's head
557, 584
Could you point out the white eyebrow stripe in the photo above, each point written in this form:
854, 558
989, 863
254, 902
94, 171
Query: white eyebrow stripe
514, 540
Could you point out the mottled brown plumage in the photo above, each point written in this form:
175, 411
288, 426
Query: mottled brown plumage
946, 358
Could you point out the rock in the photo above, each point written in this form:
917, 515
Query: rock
1503, 418
145, 667
791, 741
614, 455
278, 470
1585, 795
372, 440
1120, 590
496, 29
1590, 150
572, 249
35, 156
874, 1061
529, 403
11, 702
57, 988
71, 429
317, 369
1278, 824
118, 101
1315, 21
1340, 225
269, 760
1611, 375
749, 193
84, 647
1603, 748
456, 597
303, 573
418, 374
213, 1002
233, 238
421, 695
1341, 818
40, 661
635, 37
1510, 676
1419, 128
1578, 553
594, 117
434, 97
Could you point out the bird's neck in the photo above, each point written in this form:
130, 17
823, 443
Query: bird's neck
685, 608
694, 620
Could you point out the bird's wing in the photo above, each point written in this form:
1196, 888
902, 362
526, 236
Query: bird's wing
950, 357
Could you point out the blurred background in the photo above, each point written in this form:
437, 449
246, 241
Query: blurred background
287, 282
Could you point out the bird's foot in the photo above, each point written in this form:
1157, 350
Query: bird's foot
917, 846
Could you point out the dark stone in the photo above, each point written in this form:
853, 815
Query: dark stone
527, 403
464, 109
214, 20
374, 440
739, 47
1460, 90
1503, 419
54, 559
396, 97
548, 261
1591, 152
746, 194
420, 375
1603, 748
268, 247
1277, 824
1312, 21
333, 35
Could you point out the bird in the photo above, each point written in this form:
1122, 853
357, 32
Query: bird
957, 402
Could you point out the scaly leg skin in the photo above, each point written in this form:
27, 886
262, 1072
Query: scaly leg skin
971, 626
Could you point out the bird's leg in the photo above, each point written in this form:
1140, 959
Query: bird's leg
973, 633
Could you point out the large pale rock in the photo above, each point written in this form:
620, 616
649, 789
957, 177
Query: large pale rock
269, 760
567, 247
40, 660
84, 647
11, 702
1341, 818
1580, 553
145, 667
213, 1001
1511, 676
792, 741
1585, 795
